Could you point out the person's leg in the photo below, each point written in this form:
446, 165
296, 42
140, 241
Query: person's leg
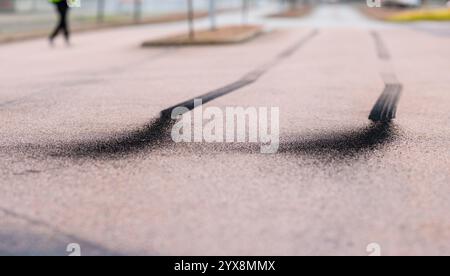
64, 21
58, 26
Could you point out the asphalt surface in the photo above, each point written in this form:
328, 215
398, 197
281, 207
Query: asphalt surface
86, 159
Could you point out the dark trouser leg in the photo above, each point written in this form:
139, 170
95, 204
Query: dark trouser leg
58, 27
64, 25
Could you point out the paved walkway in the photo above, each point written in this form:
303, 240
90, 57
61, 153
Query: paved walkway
84, 159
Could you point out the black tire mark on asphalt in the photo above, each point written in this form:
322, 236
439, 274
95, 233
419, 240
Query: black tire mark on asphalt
154, 135
246, 80
86, 246
326, 147
157, 133
385, 108
382, 51
343, 145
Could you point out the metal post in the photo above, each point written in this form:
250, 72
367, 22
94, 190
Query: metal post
100, 11
245, 9
137, 10
191, 19
212, 14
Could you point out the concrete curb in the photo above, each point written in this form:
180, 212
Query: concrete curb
183, 40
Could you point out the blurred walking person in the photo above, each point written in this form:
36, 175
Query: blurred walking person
63, 9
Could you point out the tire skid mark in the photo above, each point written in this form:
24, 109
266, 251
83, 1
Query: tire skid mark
385, 108
343, 145
246, 80
382, 51
156, 134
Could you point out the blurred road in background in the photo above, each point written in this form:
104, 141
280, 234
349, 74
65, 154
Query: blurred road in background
84, 159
